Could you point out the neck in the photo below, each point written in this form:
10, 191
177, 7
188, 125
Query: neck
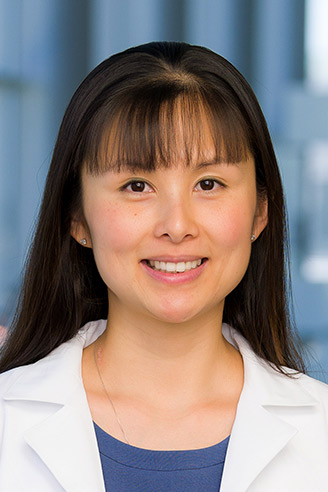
191, 358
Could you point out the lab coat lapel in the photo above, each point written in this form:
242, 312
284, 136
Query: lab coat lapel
66, 443
259, 433
257, 437
62, 434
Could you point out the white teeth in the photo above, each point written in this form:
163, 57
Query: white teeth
181, 266
171, 267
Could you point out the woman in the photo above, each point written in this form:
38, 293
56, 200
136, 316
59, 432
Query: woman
162, 235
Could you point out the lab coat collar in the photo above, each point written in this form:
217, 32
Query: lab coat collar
66, 442
266, 385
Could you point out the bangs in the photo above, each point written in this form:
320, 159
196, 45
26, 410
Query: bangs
158, 126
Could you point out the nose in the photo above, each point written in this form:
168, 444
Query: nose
176, 220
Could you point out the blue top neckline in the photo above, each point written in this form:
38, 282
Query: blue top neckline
167, 460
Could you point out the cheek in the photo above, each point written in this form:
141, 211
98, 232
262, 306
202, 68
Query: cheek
112, 229
233, 226
115, 234
232, 246
238, 229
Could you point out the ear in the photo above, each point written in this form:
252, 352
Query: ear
261, 216
80, 232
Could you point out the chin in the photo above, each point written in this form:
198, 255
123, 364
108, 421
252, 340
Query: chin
181, 308
175, 315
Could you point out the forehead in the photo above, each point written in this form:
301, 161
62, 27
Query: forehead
150, 136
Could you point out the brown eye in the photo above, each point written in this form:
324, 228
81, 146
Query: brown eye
207, 184
137, 186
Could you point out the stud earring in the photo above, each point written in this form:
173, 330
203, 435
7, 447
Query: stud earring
83, 241
253, 237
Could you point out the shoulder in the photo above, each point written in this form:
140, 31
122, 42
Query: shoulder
317, 389
274, 387
288, 387
29, 392
58, 369
9, 377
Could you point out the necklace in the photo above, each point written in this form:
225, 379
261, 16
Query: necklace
95, 355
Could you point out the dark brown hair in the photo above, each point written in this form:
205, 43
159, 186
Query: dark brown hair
132, 101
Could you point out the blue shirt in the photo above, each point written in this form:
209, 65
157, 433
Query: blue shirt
130, 469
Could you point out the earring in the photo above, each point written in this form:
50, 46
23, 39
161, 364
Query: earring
253, 237
83, 241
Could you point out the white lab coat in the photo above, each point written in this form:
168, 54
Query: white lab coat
279, 441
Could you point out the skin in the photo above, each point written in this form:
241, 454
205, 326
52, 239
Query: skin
174, 380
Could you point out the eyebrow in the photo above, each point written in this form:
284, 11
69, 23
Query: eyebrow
213, 162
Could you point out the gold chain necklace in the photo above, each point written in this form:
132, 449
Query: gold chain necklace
95, 355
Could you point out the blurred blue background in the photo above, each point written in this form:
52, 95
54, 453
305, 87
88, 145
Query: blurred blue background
281, 46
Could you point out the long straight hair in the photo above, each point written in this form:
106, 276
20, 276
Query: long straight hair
124, 114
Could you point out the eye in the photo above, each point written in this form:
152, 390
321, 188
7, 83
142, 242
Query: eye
137, 186
208, 184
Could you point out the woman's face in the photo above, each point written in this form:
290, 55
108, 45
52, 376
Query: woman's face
172, 243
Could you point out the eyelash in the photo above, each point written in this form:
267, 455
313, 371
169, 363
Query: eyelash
125, 187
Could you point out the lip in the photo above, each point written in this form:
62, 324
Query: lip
175, 278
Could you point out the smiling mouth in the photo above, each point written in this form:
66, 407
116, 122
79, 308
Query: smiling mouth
170, 267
